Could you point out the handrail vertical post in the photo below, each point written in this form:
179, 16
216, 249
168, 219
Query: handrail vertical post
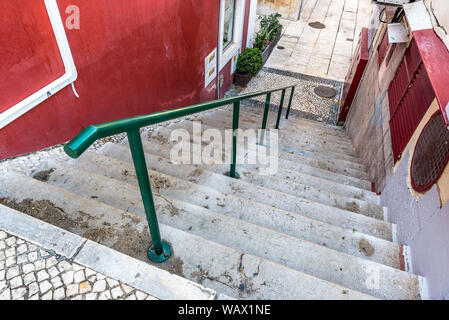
159, 251
290, 102
280, 109
235, 127
265, 118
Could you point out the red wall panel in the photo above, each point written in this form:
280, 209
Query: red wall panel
132, 57
39, 63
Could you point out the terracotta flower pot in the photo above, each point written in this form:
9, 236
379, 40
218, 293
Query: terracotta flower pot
241, 80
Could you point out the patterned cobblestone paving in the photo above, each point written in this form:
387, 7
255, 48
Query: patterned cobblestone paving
28, 272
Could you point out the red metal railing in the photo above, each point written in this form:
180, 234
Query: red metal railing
410, 95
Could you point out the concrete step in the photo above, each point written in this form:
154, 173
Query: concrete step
294, 185
343, 218
307, 257
222, 119
299, 173
162, 135
333, 151
227, 270
294, 121
315, 231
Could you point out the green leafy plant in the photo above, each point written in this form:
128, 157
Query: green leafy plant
272, 24
250, 61
269, 28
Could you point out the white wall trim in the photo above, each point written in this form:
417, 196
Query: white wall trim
239, 20
251, 23
68, 78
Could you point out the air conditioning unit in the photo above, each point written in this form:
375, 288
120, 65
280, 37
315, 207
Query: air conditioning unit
396, 3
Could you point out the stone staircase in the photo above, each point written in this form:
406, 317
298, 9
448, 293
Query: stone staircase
314, 230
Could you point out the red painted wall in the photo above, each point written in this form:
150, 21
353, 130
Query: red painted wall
39, 62
132, 57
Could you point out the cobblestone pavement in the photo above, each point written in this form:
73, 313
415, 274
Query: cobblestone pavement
305, 101
327, 52
28, 272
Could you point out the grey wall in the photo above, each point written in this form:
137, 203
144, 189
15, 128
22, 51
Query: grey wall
423, 226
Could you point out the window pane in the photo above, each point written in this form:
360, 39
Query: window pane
228, 22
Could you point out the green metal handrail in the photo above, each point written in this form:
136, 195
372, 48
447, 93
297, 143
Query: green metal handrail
160, 251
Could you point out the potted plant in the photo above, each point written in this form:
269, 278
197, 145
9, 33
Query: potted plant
268, 35
248, 65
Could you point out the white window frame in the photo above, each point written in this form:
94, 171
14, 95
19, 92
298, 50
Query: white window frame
239, 18
46, 92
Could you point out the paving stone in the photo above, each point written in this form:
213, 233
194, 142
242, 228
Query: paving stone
23, 258
117, 292
2, 275
10, 252
91, 296
85, 287
5, 295
77, 267
28, 268
59, 294
39, 265
53, 272
33, 288
12, 272
126, 289
63, 266
112, 283
67, 277
140, 295
2, 265
105, 295
16, 282
2, 255
79, 276
50, 262
42, 275
35, 297
3, 235
48, 296
22, 249
18, 293
32, 257
131, 297
11, 241
44, 286
2, 245
29, 278
3, 285
89, 272
56, 282
72, 290
10, 261
43, 253
99, 286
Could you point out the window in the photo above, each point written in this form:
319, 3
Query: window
228, 30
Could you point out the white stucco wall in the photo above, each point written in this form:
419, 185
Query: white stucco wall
439, 11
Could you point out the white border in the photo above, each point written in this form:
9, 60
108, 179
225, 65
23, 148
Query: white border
68, 78
232, 49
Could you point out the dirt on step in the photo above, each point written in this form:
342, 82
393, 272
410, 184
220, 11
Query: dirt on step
366, 248
46, 211
353, 206
44, 176
123, 238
